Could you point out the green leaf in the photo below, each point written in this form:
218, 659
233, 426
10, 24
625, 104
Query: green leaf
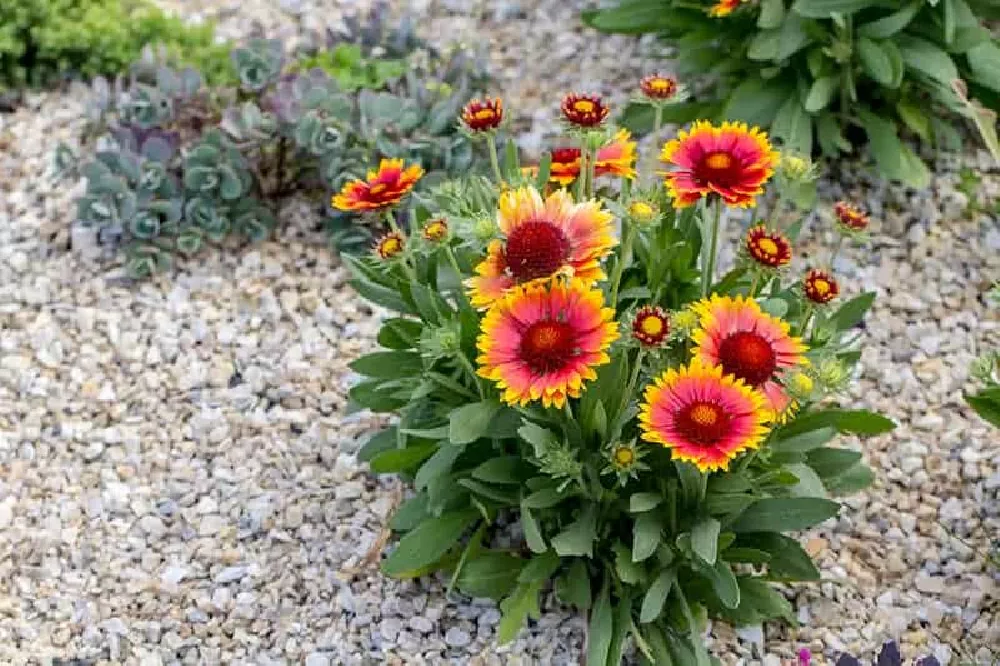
428, 542
755, 101
628, 571
600, 628
656, 596
490, 575
854, 422
543, 499
578, 538
888, 26
855, 478
781, 43
915, 118
532, 533
470, 422
784, 514
539, 568
803, 442
573, 587
503, 469
632, 17
821, 93
927, 58
830, 462
827, 8
986, 403
896, 160
794, 126
540, 438
438, 464
515, 610
772, 12
400, 333
377, 443
876, 61
646, 536
723, 583
809, 484
705, 539
984, 61
788, 561
402, 460
504, 496
758, 595
410, 514
640, 502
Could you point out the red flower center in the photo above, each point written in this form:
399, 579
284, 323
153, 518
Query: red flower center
748, 356
536, 249
718, 167
547, 346
703, 422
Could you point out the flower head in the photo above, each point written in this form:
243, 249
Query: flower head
542, 238
684, 321
820, 287
624, 460
650, 326
615, 158
702, 415
643, 211
390, 245
796, 168
435, 230
768, 248
584, 110
483, 115
380, 189
732, 161
659, 87
542, 341
749, 344
724, 8
851, 218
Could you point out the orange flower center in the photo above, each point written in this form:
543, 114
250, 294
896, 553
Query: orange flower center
390, 247
748, 356
536, 249
768, 246
584, 106
624, 456
377, 189
484, 114
652, 325
661, 85
719, 161
546, 346
703, 422
821, 286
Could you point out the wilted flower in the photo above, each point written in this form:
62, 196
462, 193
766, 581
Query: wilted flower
820, 287
732, 161
851, 218
584, 110
435, 230
768, 248
390, 245
650, 326
380, 189
483, 115
658, 87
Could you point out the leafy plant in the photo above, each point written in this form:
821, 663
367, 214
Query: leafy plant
352, 70
42, 41
830, 73
180, 165
529, 366
986, 371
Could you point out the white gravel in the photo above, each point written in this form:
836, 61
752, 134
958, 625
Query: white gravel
177, 478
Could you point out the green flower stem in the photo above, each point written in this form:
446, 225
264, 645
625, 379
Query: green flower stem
754, 284
472, 373
657, 119
633, 382
581, 179
709, 257
450, 253
411, 273
623, 258
591, 166
491, 141
806, 317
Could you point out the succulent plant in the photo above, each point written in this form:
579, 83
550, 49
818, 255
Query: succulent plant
259, 63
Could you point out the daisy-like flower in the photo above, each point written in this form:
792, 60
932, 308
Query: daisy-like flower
768, 248
650, 325
543, 237
625, 461
820, 287
732, 161
724, 8
380, 189
746, 342
584, 110
851, 218
435, 231
705, 417
542, 341
390, 245
658, 87
483, 115
615, 158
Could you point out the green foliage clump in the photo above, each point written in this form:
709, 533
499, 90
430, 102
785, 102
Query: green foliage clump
831, 73
42, 41
986, 371
352, 70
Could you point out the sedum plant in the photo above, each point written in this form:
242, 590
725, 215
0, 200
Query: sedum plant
831, 73
180, 165
582, 400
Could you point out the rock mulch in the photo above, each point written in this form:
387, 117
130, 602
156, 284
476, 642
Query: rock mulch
177, 474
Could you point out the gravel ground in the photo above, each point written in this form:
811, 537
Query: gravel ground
177, 478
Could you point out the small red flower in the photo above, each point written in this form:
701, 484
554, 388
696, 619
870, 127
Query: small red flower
657, 86
483, 115
650, 325
584, 110
820, 286
380, 189
435, 230
390, 245
850, 217
768, 248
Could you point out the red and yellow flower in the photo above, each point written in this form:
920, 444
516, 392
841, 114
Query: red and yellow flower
657, 86
543, 237
851, 218
542, 341
820, 287
390, 245
483, 115
704, 416
584, 110
616, 158
650, 325
724, 8
381, 188
768, 248
746, 342
435, 230
732, 161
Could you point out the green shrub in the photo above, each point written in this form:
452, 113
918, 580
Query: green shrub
352, 70
42, 41
831, 73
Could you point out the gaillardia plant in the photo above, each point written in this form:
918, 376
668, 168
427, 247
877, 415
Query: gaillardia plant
568, 373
